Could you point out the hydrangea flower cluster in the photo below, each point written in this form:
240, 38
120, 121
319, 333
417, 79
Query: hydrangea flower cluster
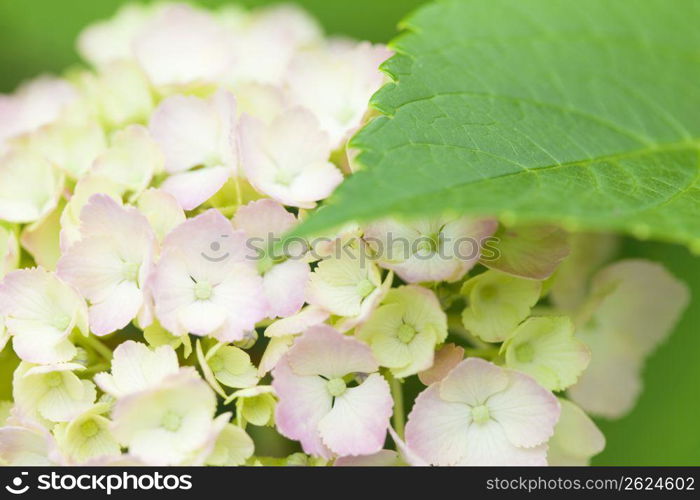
147, 315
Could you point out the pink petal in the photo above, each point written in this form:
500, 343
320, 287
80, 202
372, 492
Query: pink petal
324, 351
263, 218
407, 454
284, 287
383, 458
102, 215
207, 242
191, 189
303, 402
436, 430
182, 45
242, 295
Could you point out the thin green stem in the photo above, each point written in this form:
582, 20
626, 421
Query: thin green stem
100, 367
488, 353
399, 417
91, 342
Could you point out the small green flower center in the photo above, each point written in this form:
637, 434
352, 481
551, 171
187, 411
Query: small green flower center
480, 414
89, 428
61, 322
171, 421
284, 177
130, 271
364, 288
488, 292
216, 363
424, 247
346, 114
336, 387
593, 323
524, 353
202, 290
406, 333
54, 379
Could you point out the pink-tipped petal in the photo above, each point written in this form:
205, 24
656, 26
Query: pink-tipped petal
263, 219
527, 411
284, 287
359, 419
324, 351
191, 189
473, 381
437, 430
303, 402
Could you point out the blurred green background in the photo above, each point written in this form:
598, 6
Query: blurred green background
37, 36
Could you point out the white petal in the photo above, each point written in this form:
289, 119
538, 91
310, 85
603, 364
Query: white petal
473, 381
359, 419
488, 445
526, 411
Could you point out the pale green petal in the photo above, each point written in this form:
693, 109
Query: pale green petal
30, 188
42, 239
87, 437
615, 358
545, 348
384, 321
390, 351
273, 353
640, 299
119, 94
587, 253
233, 447
421, 308
9, 251
422, 352
257, 410
72, 146
232, 367
131, 161
162, 211
157, 336
576, 437
84, 189
62, 403
497, 304
5, 407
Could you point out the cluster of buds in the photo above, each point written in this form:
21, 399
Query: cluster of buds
148, 315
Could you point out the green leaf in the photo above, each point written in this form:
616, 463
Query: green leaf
580, 113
